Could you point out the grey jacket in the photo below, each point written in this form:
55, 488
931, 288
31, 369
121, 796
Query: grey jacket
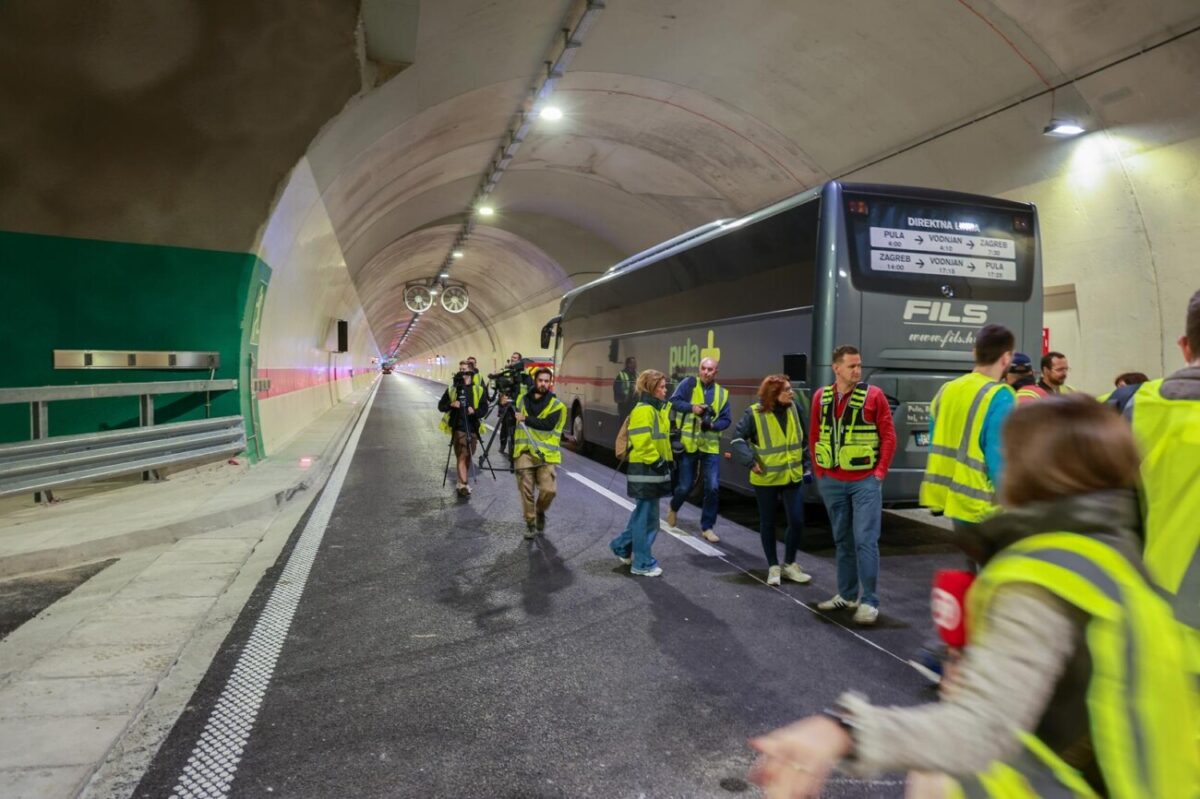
1028, 673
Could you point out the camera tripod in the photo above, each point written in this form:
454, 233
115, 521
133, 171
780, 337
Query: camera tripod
507, 415
460, 395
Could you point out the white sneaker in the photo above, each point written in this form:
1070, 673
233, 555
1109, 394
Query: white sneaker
710, 537
866, 614
793, 572
672, 517
657, 570
773, 575
837, 603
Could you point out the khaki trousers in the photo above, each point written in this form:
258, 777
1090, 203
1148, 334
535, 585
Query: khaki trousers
531, 471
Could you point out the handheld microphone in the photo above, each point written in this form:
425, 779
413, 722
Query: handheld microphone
948, 604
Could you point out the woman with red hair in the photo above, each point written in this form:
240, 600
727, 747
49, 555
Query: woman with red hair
772, 446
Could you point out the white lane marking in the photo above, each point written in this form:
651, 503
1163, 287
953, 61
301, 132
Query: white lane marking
696, 543
210, 768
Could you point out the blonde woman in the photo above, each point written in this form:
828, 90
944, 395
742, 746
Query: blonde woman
649, 476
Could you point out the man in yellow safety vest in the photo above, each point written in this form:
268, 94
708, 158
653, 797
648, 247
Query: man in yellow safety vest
540, 418
1166, 424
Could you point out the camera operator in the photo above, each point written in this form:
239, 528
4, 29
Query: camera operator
512, 382
463, 406
540, 417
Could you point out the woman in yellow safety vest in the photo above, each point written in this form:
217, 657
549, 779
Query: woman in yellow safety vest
649, 475
1072, 681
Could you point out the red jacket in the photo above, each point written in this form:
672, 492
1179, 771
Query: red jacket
876, 411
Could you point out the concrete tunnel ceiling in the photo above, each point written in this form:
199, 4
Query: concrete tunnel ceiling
676, 112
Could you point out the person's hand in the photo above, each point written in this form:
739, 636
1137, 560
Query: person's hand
697, 409
757, 468
794, 761
455, 404
520, 418
470, 411
880, 477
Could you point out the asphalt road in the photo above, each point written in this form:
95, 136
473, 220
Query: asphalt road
434, 652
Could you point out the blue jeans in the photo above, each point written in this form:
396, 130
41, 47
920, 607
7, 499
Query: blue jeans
709, 464
855, 510
639, 535
793, 508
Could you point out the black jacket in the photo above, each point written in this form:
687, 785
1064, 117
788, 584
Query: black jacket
531, 407
456, 414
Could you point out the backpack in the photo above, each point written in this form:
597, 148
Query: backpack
621, 445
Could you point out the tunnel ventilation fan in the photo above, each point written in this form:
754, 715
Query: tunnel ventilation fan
455, 299
419, 299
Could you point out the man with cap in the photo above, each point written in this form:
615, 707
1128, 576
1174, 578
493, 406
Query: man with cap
1020, 377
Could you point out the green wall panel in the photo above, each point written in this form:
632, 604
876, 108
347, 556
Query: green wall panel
62, 293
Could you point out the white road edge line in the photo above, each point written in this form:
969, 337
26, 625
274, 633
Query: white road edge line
696, 543
214, 760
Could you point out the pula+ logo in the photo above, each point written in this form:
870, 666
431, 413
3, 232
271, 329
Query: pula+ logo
686, 357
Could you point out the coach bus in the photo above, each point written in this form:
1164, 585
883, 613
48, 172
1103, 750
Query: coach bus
907, 275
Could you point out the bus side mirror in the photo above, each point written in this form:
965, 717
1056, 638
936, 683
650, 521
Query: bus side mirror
795, 366
548, 332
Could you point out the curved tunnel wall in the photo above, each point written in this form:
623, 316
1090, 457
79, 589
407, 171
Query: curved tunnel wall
299, 375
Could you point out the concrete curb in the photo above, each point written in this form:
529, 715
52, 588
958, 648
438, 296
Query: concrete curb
98, 549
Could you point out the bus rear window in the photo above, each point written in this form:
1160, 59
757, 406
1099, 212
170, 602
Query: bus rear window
933, 248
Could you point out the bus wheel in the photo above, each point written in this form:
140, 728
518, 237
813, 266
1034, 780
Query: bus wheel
578, 442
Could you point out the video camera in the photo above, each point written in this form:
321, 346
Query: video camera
508, 381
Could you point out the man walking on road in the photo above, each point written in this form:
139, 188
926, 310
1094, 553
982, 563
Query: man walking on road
701, 412
1054, 374
540, 418
852, 440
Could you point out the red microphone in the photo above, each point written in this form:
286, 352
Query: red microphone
948, 603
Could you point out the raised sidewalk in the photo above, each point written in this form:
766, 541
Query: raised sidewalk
91, 685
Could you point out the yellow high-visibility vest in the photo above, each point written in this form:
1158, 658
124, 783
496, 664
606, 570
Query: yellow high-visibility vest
548, 442
1139, 697
779, 452
956, 479
476, 395
1168, 434
690, 435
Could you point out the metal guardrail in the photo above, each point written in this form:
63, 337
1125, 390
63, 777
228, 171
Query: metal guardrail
49, 463
39, 397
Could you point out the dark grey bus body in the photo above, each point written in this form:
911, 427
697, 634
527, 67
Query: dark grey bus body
907, 275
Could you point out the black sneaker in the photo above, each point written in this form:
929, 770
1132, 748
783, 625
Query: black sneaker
541, 521
531, 529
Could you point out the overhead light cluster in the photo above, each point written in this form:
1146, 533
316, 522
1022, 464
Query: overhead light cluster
536, 105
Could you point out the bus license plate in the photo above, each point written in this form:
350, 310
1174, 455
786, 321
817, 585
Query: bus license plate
922, 438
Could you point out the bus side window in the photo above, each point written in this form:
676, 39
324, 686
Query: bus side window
614, 351
795, 366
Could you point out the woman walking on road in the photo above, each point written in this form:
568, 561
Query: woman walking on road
649, 476
773, 448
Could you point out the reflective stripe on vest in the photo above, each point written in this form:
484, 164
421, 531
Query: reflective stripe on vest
956, 481
548, 442
477, 394
837, 433
1139, 698
649, 441
779, 453
1168, 434
690, 434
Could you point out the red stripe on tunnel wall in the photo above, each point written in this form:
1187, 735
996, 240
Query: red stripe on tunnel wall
285, 381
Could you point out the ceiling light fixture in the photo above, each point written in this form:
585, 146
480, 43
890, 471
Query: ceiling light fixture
551, 113
1064, 128
486, 210
456, 254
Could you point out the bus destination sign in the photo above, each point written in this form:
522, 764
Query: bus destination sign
916, 263
937, 241
942, 247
